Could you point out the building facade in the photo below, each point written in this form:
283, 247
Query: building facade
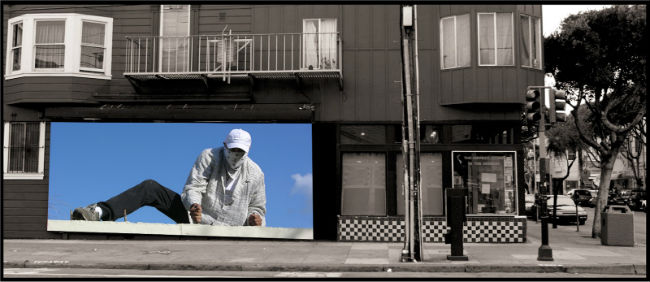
336, 67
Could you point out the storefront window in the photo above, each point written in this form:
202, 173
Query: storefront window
364, 184
490, 178
363, 134
431, 183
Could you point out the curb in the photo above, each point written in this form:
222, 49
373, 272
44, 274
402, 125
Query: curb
631, 269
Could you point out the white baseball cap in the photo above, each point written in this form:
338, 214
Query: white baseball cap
238, 138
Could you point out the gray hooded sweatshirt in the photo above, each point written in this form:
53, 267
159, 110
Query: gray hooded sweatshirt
206, 185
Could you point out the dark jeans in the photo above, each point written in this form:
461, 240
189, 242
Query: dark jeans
147, 193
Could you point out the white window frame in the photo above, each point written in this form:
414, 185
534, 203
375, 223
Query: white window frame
496, 43
10, 54
303, 57
41, 156
442, 63
531, 34
160, 46
72, 56
82, 44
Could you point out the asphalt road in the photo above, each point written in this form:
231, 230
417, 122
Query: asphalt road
168, 274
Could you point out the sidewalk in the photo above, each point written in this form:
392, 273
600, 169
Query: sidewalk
572, 253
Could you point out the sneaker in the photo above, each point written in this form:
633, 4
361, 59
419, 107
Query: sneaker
88, 213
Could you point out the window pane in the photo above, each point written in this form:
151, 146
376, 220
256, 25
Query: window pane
175, 41
18, 35
489, 178
364, 184
431, 178
430, 134
49, 56
525, 41
448, 43
328, 43
16, 53
31, 147
310, 44
17, 147
363, 134
92, 57
504, 39
50, 32
486, 41
536, 50
92, 33
462, 39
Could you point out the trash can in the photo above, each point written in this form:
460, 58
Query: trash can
617, 226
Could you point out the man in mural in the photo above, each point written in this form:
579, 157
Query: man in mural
224, 187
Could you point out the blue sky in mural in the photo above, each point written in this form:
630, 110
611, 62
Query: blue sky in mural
93, 162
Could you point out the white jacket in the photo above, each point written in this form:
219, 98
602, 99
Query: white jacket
206, 185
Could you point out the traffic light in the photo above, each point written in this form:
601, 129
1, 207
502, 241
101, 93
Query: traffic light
557, 105
532, 106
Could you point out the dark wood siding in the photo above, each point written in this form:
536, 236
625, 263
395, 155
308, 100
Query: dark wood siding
24, 203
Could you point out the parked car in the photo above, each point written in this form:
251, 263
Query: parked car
615, 199
594, 198
581, 196
566, 210
635, 198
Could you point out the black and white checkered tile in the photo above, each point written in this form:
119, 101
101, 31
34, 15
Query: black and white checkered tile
391, 229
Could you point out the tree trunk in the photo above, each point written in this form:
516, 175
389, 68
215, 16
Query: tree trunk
581, 169
606, 168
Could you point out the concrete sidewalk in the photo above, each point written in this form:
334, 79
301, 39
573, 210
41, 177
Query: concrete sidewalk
572, 253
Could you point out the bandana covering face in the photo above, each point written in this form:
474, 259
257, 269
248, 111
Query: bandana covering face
234, 159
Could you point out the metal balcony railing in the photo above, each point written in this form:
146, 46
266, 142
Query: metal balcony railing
264, 55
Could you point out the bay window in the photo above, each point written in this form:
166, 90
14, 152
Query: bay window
495, 39
59, 45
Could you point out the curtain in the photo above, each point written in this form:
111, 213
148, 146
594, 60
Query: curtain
175, 38
536, 40
364, 184
448, 43
463, 40
486, 40
92, 56
328, 44
310, 44
525, 41
504, 39
49, 49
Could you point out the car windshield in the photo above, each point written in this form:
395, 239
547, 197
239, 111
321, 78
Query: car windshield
561, 201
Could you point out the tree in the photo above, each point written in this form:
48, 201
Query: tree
562, 139
599, 58
633, 149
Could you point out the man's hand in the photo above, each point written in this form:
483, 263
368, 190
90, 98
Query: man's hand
254, 220
195, 212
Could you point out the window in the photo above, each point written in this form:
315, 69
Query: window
431, 183
363, 134
454, 41
364, 184
319, 44
24, 149
92, 46
531, 51
495, 39
49, 45
175, 38
16, 45
59, 45
490, 178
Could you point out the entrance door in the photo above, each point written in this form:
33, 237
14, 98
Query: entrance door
174, 38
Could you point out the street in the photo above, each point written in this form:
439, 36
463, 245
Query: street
171, 274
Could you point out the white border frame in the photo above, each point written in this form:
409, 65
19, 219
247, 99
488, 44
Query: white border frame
456, 66
72, 42
41, 156
516, 181
496, 48
160, 45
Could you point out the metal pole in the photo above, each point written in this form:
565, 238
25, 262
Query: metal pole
545, 253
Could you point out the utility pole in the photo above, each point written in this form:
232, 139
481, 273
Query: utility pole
412, 251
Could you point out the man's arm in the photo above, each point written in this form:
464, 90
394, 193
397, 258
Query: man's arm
197, 181
257, 203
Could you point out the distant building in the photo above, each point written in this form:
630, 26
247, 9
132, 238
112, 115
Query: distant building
336, 67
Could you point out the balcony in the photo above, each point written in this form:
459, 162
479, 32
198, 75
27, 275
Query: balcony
230, 56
